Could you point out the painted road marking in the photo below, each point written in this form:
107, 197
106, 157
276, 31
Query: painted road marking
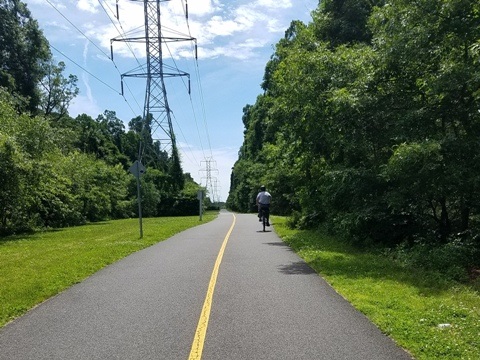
199, 338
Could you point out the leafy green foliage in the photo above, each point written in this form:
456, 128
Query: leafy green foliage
343, 21
25, 51
56, 90
52, 181
59, 171
369, 123
245, 182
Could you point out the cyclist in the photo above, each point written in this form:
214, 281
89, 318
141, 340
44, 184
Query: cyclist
263, 202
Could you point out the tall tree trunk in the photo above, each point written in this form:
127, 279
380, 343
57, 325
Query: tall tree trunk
445, 226
465, 215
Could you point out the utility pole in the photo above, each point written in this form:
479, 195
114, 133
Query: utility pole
210, 181
156, 102
156, 109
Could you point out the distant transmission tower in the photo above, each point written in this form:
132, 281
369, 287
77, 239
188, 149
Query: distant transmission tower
156, 103
210, 181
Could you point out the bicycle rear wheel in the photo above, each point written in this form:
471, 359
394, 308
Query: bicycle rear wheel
264, 220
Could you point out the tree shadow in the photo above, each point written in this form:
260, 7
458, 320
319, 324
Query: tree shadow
296, 268
37, 234
280, 244
30, 236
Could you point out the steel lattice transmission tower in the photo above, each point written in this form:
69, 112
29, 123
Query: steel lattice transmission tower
210, 181
156, 102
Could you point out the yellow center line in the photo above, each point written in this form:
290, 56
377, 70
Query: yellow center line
199, 338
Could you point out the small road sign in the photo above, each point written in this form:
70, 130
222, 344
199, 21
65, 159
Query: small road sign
137, 169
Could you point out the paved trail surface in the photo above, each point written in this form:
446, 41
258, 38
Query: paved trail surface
266, 304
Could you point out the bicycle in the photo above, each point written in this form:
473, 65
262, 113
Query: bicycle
264, 217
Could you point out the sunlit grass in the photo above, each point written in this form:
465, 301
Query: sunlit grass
36, 267
409, 305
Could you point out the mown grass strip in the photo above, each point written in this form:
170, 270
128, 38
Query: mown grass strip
409, 305
36, 267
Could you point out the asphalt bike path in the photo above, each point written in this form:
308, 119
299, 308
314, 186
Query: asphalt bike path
222, 290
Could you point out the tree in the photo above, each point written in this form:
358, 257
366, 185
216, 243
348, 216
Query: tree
24, 52
341, 22
11, 185
56, 90
34, 193
103, 137
148, 149
175, 171
430, 77
245, 181
370, 124
47, 183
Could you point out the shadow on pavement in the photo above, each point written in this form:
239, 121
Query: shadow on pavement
296, 268
279, 244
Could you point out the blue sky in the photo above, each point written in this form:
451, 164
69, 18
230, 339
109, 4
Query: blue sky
235, 40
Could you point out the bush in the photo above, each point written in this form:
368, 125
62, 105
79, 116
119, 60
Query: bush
294, 219
453, 259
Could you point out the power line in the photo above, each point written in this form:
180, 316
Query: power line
204, 114
191, 102
96, 46
199, 84
211, 183
210, 167
156, 102
88, 72
121, 33
76, 28
183, 135
129, 47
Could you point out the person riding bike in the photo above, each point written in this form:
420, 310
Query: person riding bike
263, 202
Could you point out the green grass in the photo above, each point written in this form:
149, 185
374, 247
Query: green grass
36, 267
406, 304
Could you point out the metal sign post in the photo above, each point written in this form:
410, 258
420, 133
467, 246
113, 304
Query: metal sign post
137, 169
200, 202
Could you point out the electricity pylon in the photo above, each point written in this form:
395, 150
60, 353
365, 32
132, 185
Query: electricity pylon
156, 104
210, 181
156, 111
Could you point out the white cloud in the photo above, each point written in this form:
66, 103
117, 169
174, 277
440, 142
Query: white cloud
280, 4
248, 16
201, 7
88, 5
243, 30
223, 28
85, 77
131, 14
217, 26
84, 105
242, 50
274, 26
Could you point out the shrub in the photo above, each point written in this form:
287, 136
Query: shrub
453, 259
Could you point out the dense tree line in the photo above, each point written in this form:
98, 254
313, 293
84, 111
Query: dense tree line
369, 124
62, 171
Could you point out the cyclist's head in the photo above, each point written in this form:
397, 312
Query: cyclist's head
262, 188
